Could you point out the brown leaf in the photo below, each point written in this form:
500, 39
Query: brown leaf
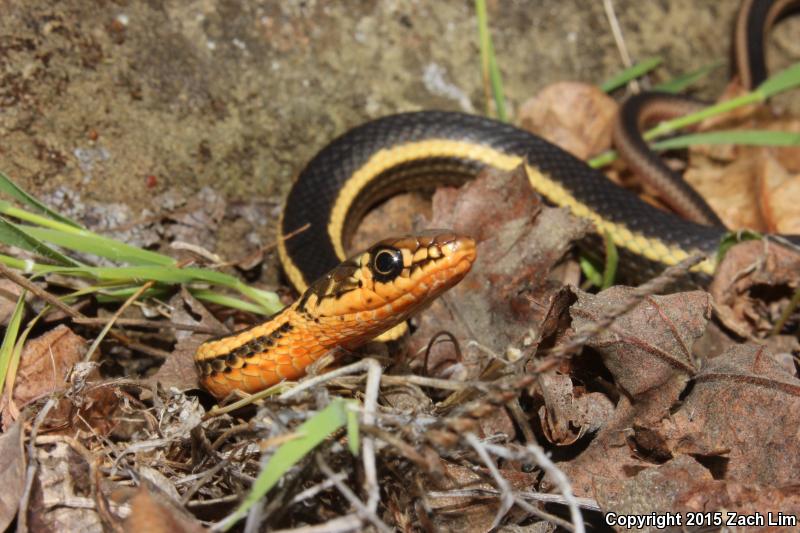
648, 354
743, 412
179, 370
567, 413
44, 365
575, 116
655, 490
12, 474
753, 285
685, 486
155, 515
648, 349
731, 191
779, 193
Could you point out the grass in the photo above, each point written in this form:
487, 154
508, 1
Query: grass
49, 236
306, 438
492, 80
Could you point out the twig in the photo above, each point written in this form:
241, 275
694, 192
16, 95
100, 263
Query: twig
33, 466
561, 481
584, 503
619, 40
316, 489
149, 324
361, 509
360, 366
506, 490
349, 522
37, 291
371, 486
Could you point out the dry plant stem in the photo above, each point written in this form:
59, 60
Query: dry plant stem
149, 324
584, 503
214, 501
33, 466
522, 421
319, 487
507, 493
371, 486
203, 479
360, 366
263, 249
37, 291
345, 491
414, 379
251, 398
406, 449
233, 430
561, 481
337, 525
619, 40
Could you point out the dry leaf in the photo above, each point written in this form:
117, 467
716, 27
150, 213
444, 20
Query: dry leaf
648, 349
648, 352
743, 413
154, 515
62, 478
753, 285
12, 474
179, 370
779, 194
568, 414
654, 490
45, 363
575, 116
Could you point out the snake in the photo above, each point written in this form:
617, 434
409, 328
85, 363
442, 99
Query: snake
348, 301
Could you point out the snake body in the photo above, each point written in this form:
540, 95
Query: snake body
353, 302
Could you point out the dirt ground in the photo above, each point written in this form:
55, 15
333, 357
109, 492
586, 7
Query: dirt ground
114, 111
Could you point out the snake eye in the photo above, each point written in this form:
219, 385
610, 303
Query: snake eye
387, 263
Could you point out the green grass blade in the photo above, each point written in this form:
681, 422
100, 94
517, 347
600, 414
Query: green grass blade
13, 235
489, 61
309, 435
92, 243
8, 347
735, 237
228, 301
269, 301
740, 137
683, 81
12, 189
612, 262
781, 81
353, 436
636, 71
591, 272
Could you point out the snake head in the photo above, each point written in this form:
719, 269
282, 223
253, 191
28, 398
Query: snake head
380, 287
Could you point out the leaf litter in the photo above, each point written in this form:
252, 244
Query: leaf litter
507, 407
